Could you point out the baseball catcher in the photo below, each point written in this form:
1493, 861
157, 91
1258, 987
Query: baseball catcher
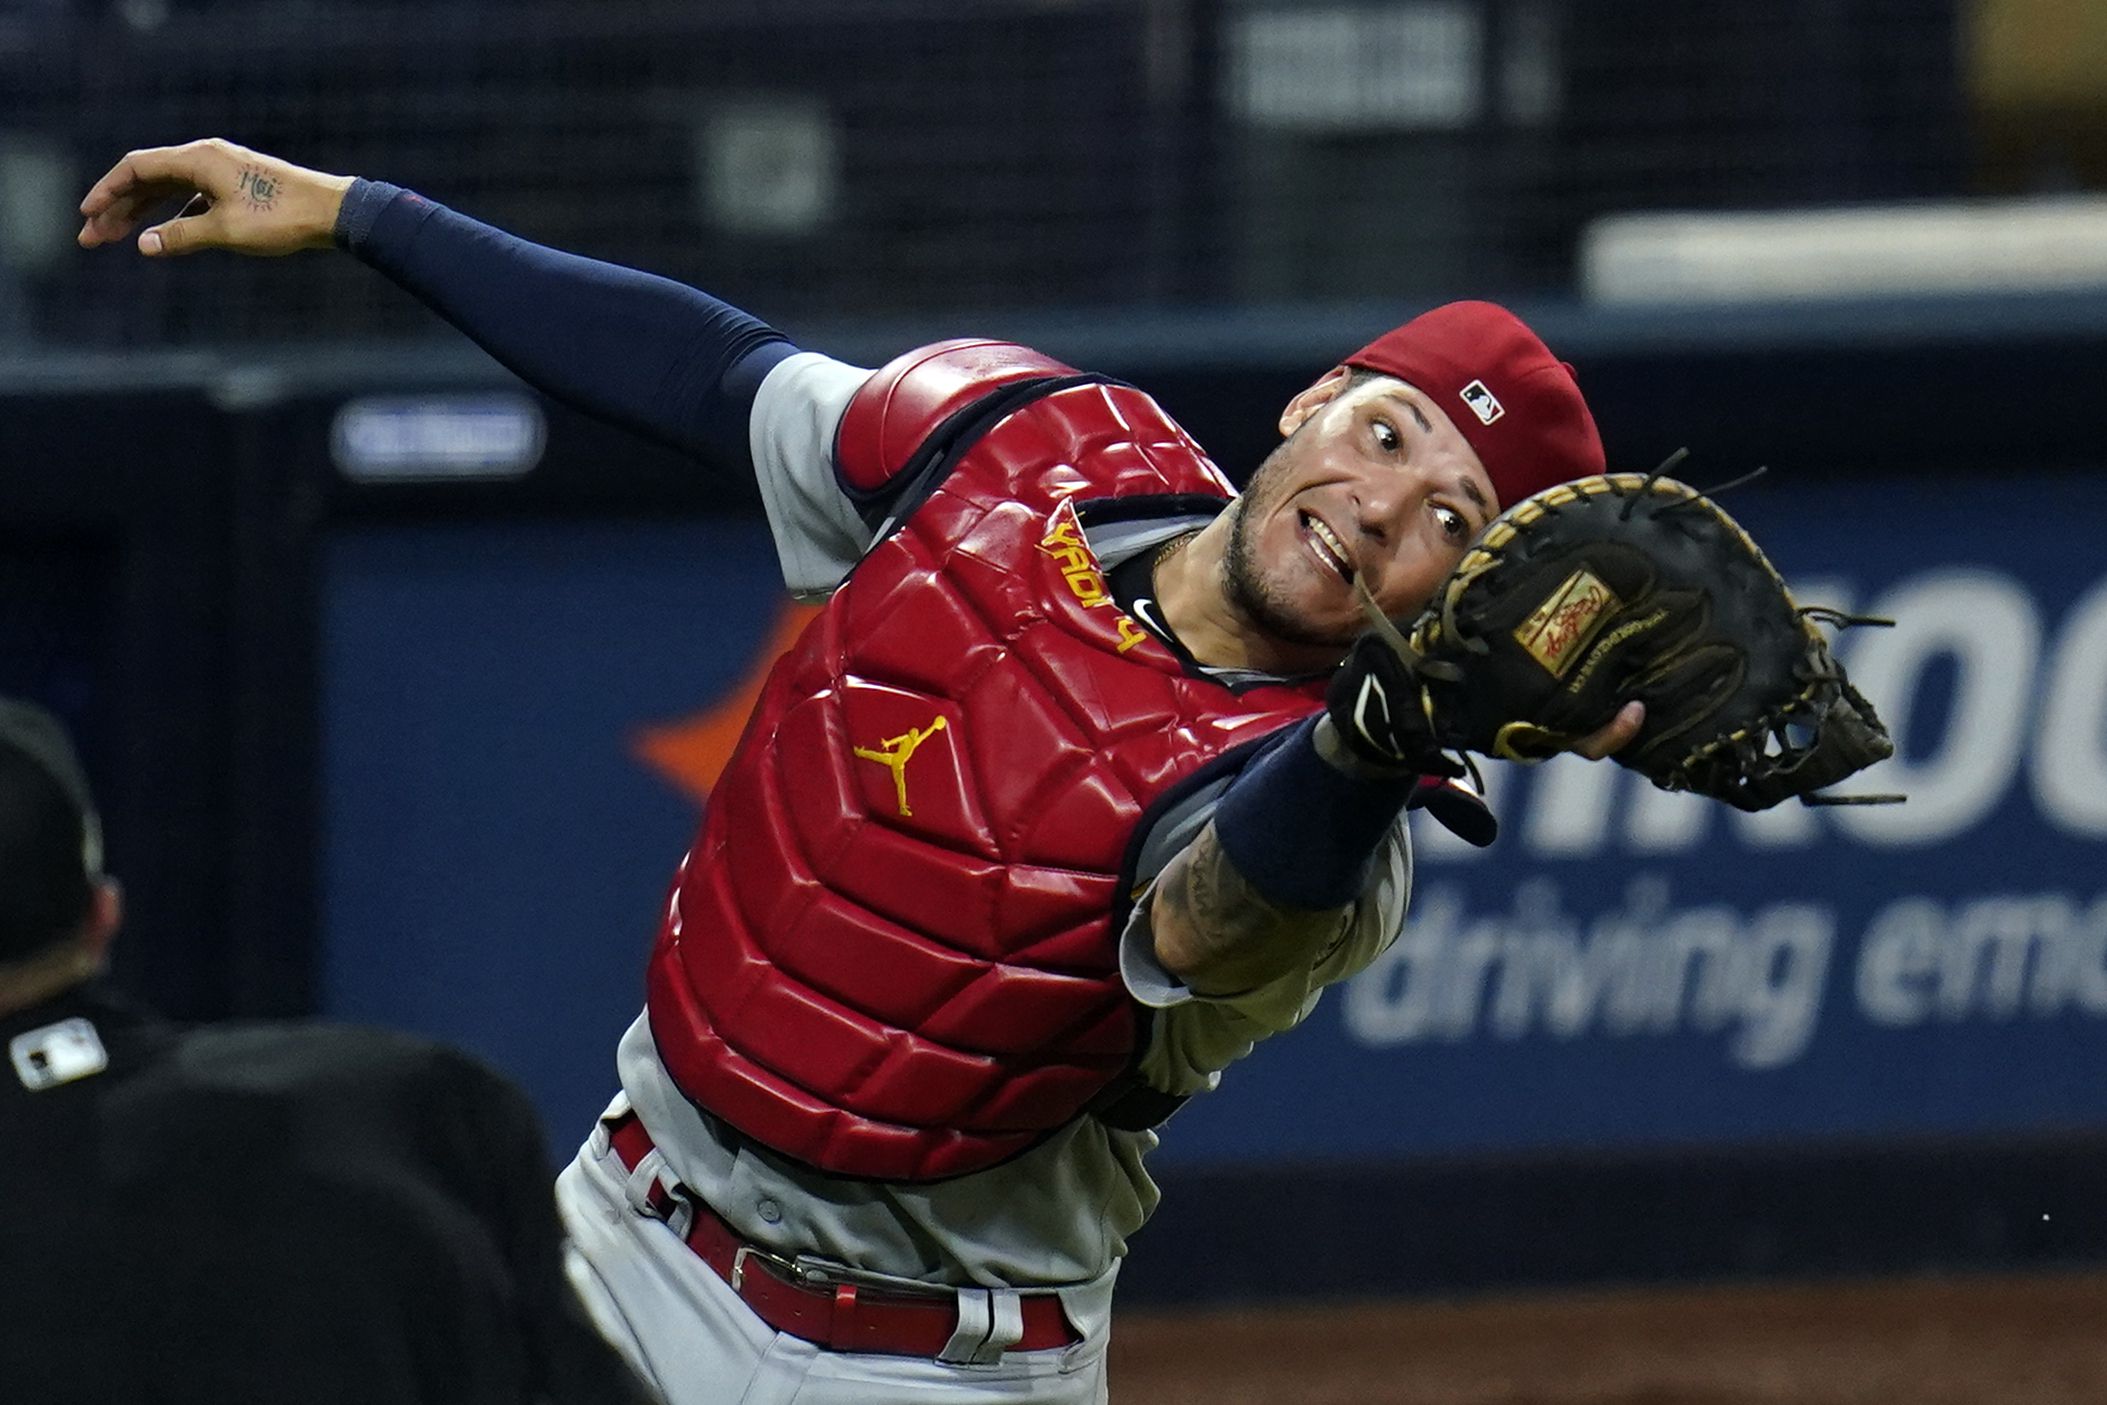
1087, 775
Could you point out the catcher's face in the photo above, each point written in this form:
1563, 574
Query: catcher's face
1373, 478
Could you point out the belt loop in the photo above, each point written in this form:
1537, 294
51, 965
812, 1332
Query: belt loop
643, 1180
680, 1213
1008, 1327
602, 1139
990, 1322
976, 1315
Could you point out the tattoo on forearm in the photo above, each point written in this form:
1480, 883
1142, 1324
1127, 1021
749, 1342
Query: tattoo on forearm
1231, 926
259, 189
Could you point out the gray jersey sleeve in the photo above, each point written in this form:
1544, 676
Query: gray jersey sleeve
818, 534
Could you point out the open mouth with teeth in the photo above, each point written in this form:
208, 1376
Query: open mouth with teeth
1326, 546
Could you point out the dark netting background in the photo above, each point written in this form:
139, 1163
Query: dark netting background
846, 158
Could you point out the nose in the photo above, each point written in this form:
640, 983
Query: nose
1379, 511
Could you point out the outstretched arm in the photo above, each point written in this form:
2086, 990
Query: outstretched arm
648, 353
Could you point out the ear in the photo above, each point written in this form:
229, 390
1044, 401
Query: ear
1312, 398
105, 916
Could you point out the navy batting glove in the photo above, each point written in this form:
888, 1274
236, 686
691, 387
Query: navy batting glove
1374, 700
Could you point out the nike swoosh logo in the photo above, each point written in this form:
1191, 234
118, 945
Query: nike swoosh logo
1373, 694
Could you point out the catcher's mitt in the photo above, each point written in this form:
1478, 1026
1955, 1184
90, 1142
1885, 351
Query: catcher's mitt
1617, 587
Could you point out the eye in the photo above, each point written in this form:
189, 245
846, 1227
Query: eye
1454, 525
1386, 437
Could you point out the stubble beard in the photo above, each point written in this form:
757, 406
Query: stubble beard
1250, 592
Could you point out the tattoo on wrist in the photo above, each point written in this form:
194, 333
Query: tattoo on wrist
259, 189
1233, 922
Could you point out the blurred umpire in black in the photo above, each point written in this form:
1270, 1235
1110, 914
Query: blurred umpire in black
240, 1213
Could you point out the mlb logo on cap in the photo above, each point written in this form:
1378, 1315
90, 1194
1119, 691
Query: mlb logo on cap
1484, 404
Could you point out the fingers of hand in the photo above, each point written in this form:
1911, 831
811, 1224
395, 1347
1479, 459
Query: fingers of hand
170, 166
1616, 736
119, 216
142, 179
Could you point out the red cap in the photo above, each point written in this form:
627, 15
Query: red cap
1518, 405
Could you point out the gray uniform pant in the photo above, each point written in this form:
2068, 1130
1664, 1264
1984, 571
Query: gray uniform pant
692, 1338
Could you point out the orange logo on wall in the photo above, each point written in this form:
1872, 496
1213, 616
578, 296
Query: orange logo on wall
692, 752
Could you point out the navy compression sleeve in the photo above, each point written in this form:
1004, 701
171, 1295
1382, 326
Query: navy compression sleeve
647, 353
1301, 831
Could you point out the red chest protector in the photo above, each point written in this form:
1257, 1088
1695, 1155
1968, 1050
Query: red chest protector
892, 951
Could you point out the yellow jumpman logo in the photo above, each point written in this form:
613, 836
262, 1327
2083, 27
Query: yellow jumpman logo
895, 751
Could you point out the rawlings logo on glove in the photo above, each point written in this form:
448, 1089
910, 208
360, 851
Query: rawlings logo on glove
1598, 592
